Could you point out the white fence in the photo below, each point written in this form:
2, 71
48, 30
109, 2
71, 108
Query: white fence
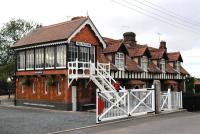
171, 100
129, 103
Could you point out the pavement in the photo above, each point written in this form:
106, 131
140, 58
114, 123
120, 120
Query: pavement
26, 120
174, 123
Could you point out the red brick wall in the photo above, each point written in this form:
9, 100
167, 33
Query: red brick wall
86, 92
51, 95
86, 35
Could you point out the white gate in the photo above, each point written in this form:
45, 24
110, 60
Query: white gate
131, 102
171, 100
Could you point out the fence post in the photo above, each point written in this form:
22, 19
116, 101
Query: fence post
153, 98
181, 99
157, 96
129, 91
97, 107
169, 99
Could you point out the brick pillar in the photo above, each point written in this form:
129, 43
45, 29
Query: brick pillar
157, 86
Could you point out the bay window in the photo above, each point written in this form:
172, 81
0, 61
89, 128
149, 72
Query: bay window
21, 60
49, 57
30, 59
61, 56
119, 60
144, 63
39, 58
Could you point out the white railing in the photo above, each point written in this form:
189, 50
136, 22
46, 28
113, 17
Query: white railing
105, 70
171, 100
78, 69
131, 102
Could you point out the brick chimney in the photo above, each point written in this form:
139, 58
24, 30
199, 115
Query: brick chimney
163, 46
129, 38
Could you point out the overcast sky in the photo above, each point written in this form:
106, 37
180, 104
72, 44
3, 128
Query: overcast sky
178, 22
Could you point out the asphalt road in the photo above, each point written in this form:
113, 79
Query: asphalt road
21, 120
176, 123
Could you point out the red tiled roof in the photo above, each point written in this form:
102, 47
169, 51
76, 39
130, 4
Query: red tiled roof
112, 45
111, 41
137, 51
183, 71
175, 56
54, 32
104, 59
112, 48
170, 69
135, 82
153, 68
132, 65
158, 54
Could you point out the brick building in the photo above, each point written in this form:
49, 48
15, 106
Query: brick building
56, 65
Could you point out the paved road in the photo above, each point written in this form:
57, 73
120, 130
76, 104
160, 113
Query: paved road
176, 123
20, 120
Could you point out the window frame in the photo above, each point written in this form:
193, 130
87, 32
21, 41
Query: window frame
30, 59
120, 60
144, 63
50, 60
62, 56
162, 65
39, 55
19, 62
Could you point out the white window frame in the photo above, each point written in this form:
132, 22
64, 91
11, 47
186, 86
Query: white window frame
178, 66
49, 57
72, 52
61, 56
84, 54
144, 63
21, 60
162, 65
119, 60
39, 58
30, 59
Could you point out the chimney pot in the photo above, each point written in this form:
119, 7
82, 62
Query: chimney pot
163, 45
129, 38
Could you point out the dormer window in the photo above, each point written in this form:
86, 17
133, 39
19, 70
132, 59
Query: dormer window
162, 65
119, 60
144, 63
178, 66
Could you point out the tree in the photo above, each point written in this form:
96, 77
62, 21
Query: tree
189, 82
10, 32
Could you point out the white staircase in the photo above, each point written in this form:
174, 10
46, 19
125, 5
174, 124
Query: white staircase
100, 75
